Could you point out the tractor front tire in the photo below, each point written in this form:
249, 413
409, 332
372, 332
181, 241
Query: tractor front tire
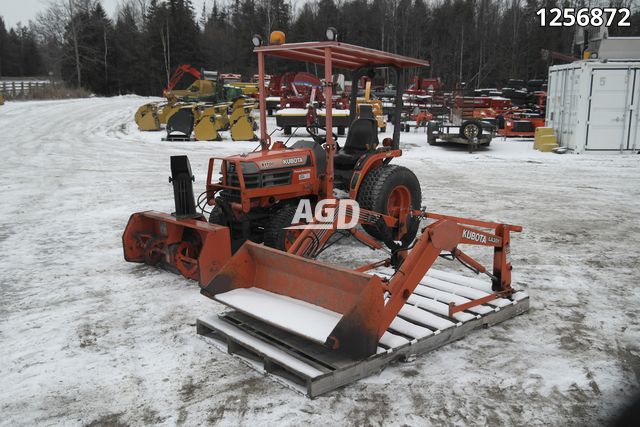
218, 217
275, 234
387, 188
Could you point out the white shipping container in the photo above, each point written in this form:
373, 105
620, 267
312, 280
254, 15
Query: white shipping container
593, 105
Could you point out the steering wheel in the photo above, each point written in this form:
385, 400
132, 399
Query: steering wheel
320, 139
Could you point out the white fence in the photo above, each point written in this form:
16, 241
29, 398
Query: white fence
20, 87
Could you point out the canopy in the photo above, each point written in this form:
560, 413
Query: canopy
343, 55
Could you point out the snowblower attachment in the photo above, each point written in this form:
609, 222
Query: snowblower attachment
183, 242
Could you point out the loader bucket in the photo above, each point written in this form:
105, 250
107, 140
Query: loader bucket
338, 308
191, 247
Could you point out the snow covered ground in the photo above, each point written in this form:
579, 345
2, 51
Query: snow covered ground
86, 338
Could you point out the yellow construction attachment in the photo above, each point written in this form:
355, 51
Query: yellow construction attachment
376, 106
220, 110
207, 127
242, 124
168, 110
247, 88
200, 90
545, 139
147, 117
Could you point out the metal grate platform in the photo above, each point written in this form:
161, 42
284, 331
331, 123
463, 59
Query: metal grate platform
422, 325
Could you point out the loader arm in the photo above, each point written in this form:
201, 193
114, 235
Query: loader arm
445, 235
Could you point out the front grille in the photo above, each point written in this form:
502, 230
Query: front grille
270, 179
254, 180
251, 180
260, 180
231, 196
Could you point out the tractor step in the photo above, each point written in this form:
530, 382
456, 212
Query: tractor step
308, 367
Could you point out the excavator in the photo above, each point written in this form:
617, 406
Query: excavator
312, 325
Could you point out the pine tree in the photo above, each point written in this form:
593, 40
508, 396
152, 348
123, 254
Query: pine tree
4, 36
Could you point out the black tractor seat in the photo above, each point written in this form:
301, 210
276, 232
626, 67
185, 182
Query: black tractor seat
362, 138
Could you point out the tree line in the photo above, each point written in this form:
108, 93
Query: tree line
480, 42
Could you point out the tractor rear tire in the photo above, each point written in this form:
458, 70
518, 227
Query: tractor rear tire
275, 235
387, 185
218, 217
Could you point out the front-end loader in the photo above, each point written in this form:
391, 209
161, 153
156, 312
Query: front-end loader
311, 324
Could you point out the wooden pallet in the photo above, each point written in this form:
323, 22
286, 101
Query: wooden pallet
310, 368
178, 138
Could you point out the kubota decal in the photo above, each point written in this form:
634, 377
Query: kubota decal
283, 162
472, 235
292, 160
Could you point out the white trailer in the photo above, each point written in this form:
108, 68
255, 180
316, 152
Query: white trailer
593, 105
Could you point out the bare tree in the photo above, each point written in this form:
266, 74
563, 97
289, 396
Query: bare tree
57, 21
166, 50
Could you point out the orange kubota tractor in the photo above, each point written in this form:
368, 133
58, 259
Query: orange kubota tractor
247, 256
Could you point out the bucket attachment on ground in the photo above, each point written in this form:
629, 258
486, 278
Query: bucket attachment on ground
147, 117
345, 310
329, 305
184, 242
180, 124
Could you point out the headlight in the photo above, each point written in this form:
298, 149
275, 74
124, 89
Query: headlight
249, 167
332, 34
256, 40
